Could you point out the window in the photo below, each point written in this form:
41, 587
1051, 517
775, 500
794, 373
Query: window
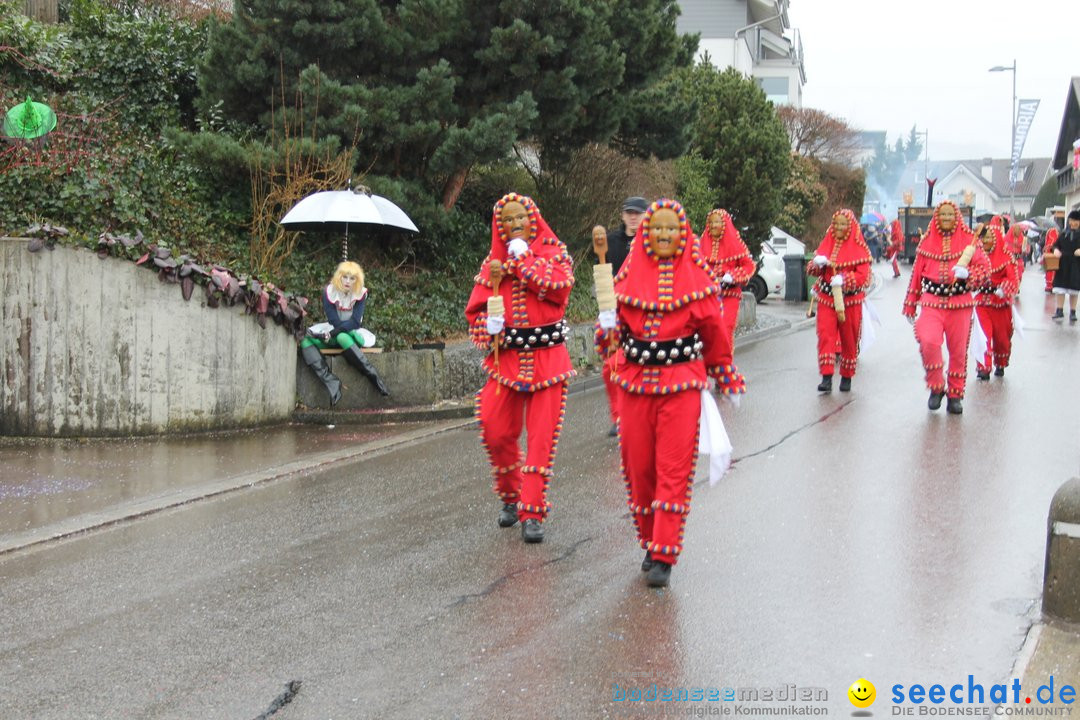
776, 88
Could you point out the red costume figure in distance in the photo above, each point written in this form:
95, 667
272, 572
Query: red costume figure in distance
1051, 240
896, 246
671, 340
729, 263
940, 286
527, 364
993, 301
843, 259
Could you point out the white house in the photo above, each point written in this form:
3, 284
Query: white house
749, 35
983, 183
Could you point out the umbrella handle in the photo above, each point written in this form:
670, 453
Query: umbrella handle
345, 245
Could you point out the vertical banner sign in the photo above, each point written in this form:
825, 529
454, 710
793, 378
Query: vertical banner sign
1025, 113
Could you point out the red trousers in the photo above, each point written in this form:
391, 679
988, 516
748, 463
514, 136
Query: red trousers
997, 326
612, 389
658, 438
953, 327
731, 317
501, 415
838, 337
1050, 279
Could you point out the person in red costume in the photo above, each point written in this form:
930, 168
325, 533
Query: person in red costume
528, 365
843, 260
940, 282
993, 303
1048, 249
671, 341
896, 246
729, 264
1016, 239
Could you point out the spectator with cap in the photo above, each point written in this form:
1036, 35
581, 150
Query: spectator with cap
616, 244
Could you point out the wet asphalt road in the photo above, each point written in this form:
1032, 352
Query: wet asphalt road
858, 535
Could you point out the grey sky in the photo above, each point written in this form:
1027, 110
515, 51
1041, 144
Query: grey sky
890, 65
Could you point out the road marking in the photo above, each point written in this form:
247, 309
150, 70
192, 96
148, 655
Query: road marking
1067, 529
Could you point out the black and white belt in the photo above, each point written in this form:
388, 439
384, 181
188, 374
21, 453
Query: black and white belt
661, 352
944, 289
527, 338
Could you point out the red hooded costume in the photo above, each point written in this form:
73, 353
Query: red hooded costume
727, 255
945, 301
1051, 240
994, 309
672, 338
851, 259
528, 383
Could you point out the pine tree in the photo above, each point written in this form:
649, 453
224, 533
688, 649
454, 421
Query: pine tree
426, 89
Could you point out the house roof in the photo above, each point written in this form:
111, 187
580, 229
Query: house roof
1033, 173
1070, 125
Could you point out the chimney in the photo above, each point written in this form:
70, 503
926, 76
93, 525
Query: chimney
988, 170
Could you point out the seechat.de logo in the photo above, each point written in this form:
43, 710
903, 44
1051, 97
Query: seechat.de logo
862, 693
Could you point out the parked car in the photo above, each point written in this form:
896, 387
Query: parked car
770, 275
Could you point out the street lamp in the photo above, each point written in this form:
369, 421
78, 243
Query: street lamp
1012, 144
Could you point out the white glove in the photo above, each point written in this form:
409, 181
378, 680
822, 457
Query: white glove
821, 260
495, 324
960, 272
837, 280
910, 319
1000, 293
606, 318
517, 247
727, 279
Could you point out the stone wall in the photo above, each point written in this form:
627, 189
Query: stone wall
94, 347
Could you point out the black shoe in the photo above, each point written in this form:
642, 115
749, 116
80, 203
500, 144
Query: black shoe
935, 400
508, 515
659, 574
826, 384
1072, 316
1000, 371
845, 384
614, 431
1059, 315
647, 563
982, 374
955, 406
532, 531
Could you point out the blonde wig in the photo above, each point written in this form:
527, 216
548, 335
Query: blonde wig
348, 268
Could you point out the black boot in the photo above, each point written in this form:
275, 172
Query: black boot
647, 563
935, 400
982, 374
1072, 316
659, 574
532, 531
317, 363
999, 371
955, 406
508, 515
1058, 315
845, 384
355, 357
826, 384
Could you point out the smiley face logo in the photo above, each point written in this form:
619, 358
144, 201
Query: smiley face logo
862, 693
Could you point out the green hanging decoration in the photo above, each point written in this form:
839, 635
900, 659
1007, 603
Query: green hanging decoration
29, 120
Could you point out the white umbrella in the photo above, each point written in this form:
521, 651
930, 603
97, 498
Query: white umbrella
340, 209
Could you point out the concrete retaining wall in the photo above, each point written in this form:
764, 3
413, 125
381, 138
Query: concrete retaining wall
100, 347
